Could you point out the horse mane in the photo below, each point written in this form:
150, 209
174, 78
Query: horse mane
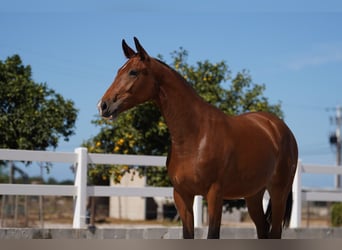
165, 64
173, 70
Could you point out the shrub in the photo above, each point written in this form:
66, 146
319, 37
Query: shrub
336, 215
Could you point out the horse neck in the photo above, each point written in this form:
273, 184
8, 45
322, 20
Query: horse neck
180, 105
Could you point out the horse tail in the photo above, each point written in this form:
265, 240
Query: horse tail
288, 210
268, 214
287, 214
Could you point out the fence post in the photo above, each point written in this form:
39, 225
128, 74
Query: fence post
81, 187
296, 217
198, 211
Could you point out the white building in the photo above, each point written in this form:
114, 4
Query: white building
123, 207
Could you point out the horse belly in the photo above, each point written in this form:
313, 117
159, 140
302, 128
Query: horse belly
248, 175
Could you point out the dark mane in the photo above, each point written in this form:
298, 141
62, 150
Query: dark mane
165, 64
172, 69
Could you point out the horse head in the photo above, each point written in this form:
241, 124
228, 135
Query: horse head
133, 84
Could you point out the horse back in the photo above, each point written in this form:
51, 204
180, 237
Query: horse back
277, 134
269, 123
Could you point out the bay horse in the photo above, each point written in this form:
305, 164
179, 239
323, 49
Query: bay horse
212, 154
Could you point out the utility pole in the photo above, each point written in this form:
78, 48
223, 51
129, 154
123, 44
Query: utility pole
337, 140
338, 144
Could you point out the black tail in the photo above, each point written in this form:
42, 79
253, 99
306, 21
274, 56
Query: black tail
268, 214
288, 210
287, 215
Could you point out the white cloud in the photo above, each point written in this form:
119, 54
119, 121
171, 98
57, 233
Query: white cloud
317, 55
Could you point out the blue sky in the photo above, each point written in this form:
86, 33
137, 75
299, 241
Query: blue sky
293, 47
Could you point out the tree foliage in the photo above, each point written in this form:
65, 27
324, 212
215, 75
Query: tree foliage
336, 214
32, 116
142, 130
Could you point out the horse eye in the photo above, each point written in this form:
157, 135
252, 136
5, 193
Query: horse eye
133, 72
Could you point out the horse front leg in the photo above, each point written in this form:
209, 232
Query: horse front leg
184, 205
215, 202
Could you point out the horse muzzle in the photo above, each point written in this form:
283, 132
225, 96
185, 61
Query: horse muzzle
108, 111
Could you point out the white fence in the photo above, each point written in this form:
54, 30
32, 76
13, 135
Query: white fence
301, 194
81, 158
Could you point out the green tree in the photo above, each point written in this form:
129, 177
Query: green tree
142, 130
32, 116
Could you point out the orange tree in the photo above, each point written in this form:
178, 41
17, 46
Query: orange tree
142, 130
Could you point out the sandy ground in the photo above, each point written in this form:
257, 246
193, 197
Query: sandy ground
248, 224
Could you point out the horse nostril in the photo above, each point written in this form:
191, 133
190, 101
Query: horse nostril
104, 106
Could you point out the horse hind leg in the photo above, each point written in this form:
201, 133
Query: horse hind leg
256, 212
281, 212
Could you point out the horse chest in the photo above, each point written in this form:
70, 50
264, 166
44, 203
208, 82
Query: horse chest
182, 174
190, 175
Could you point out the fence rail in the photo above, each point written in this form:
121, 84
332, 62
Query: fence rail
37, 189
301, 194
80, 158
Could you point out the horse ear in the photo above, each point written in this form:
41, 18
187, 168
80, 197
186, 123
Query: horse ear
128, 51
141, 51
